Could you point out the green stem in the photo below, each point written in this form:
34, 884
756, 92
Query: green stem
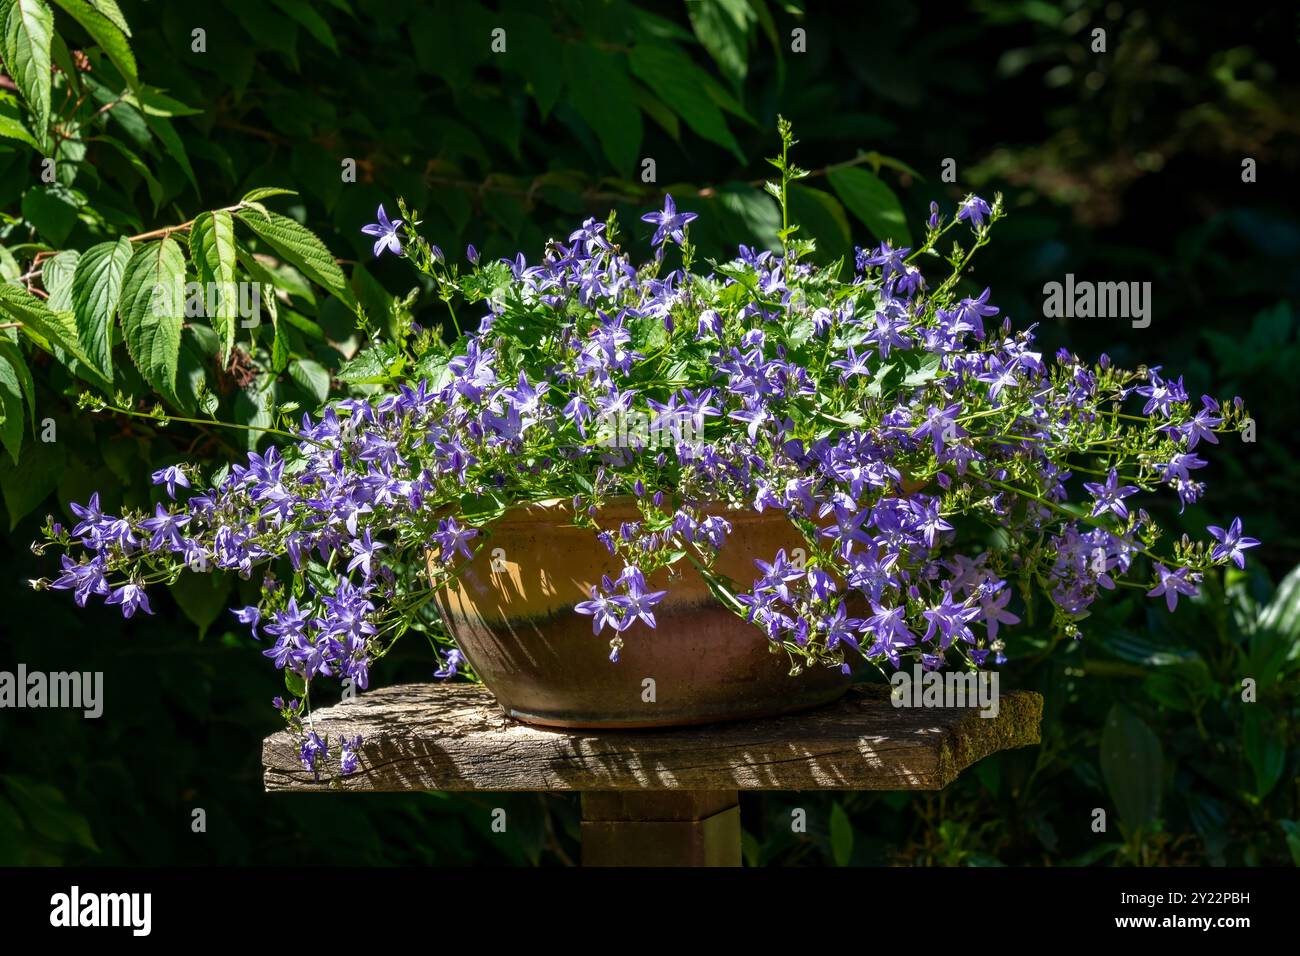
165, 418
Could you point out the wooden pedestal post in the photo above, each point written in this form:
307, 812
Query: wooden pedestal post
661, 828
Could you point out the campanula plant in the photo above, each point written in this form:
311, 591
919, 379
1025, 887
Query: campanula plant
937, 467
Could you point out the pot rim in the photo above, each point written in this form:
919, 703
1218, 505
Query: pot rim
547, 510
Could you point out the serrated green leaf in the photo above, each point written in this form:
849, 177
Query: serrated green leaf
47, 328
266, 192
96, 289
373, 366
56, 277
868, 197
300, 247
28, 33
212, 249
105, 32
153, 311
11, 407
110, 9
265, 279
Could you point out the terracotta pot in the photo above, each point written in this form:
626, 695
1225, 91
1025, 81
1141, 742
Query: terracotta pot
511, 613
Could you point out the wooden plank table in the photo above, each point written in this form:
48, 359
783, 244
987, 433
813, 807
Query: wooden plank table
651, 797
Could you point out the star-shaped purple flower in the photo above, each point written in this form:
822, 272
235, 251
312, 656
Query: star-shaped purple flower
385, 233
1172, 584
669, 222
1231, 543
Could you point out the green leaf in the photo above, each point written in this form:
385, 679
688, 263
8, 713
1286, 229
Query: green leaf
153, 311
1282, 615
1132, 764
1292, 830
723, 27
822, 218
47, 811
11, 352
673, 77
265, 192
250, 408
48, 328
142, 169
202, 596
1264, 747
56, 276
602, 93
927, 370
312, 21
294, 684
312, 377
11, 124
26, 484
279, 350
154, 102
212, 249
841, 836
374, 298
867, 197
96, 289
28, 33
300, 247
479, 509
110, 9
163, 129
198, 353
535, 49
11, 406
110, 37
373, 366
52, 210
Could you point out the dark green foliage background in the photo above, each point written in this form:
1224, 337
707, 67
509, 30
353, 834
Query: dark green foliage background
1122, 166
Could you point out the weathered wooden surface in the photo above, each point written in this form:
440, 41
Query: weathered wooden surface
455, 737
